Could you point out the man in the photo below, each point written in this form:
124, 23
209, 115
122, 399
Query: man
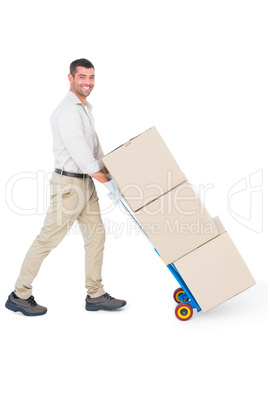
77, 154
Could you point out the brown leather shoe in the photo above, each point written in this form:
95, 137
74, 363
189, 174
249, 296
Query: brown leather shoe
25, 306
104, 302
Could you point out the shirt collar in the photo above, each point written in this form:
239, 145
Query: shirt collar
77, 101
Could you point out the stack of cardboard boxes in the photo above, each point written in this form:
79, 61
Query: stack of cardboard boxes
175, 220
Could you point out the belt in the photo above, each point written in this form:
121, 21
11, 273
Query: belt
71, 174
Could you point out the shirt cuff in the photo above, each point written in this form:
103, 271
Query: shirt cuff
93, 168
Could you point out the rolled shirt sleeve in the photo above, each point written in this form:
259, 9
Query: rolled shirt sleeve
87, 158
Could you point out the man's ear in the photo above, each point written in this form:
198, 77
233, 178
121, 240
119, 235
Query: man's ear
71, 78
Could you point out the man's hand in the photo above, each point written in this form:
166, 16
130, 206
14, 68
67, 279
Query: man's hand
114, 192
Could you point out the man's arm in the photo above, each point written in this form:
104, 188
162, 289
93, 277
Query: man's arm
105, 171
72, 134
101, 175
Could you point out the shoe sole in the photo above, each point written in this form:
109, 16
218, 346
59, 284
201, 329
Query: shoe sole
108, 308
11, 306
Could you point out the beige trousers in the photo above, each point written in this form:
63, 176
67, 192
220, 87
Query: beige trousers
71, 199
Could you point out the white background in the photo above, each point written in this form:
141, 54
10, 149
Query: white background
197, 70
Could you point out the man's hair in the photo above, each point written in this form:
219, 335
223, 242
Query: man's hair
80, 63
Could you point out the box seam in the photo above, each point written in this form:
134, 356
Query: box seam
145, 205
189, 252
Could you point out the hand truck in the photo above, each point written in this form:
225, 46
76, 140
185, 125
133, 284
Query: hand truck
182, 295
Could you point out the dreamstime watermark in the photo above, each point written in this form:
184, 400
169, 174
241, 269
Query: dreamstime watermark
244, 201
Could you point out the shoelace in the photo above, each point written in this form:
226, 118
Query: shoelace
31, 301
108, 296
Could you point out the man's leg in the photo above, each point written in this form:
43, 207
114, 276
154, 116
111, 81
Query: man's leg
93, 232
66, 203
94, 236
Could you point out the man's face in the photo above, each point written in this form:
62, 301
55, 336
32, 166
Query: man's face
83, 82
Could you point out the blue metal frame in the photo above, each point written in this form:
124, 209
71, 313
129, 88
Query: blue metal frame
192, 302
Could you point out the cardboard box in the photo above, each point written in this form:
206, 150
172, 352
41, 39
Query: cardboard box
215, 272
219, 225
176, 223
143, 169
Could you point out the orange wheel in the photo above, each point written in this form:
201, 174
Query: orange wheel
184, 311
176, 295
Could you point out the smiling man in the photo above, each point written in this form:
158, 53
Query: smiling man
82, 81
77, 158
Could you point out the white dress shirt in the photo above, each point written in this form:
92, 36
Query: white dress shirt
76, 146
